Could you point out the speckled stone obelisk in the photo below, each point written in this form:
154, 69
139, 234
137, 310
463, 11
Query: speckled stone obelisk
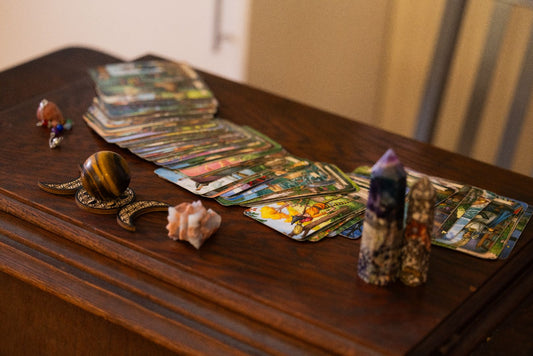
417, 235
381, 243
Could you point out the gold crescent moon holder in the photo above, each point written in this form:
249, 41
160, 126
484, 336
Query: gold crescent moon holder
124, 206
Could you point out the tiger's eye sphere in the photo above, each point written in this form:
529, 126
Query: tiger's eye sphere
48, 112
105, 175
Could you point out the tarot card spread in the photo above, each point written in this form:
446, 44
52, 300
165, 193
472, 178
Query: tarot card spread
163, 112
469, 219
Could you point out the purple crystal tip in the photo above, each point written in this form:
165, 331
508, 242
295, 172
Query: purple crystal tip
388, 166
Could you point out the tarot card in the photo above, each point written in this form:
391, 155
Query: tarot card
338, 225
298, 178
363, 183
354, 229
300, 218
205, 108
264, 145
194, 158
350, 221
170, 151
212, 176
259, 174
170, 175
112, 123
500, 218
338, 183
210, 189
486, 234
108, 125
443, 188
123, 83
165, 147
227, 177
157, 135
315, 179
185, 182
165, 152
213, 170
209, 171
106, 128
173, 133
519, 223
151, 88
475, 201
203, 152
448, 207
134, 73
109, 133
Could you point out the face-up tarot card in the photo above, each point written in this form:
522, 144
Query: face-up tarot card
315, 179
300, 219
148, 81
486, 234
275, 164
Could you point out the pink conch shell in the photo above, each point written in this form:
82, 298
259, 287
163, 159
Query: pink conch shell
192, 222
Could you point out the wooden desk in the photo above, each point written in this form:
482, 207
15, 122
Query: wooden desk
77, 283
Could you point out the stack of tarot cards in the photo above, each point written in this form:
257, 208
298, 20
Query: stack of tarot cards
467, 218
148, 89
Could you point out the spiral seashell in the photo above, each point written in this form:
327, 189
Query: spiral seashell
105, 175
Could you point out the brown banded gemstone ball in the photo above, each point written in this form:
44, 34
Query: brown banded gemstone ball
105, 175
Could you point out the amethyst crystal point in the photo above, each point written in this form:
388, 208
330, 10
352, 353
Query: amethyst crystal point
381, 243
418, 228
388, 166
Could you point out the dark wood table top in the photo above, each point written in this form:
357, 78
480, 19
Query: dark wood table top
248, 289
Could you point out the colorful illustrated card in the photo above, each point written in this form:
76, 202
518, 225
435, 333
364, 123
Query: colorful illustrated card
467, 219
259, 174
254, 144
315, 179
300, 219
486, 234
275, 164
202, 171
113, 130
147, 81
151, 89
475, 201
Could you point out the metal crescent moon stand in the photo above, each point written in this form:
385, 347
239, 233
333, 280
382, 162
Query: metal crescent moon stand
130, 211
125, 206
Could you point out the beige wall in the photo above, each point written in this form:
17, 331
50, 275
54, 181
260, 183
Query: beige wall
176, 29
327, 54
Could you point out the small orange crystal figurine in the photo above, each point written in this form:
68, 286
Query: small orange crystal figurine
49, 115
